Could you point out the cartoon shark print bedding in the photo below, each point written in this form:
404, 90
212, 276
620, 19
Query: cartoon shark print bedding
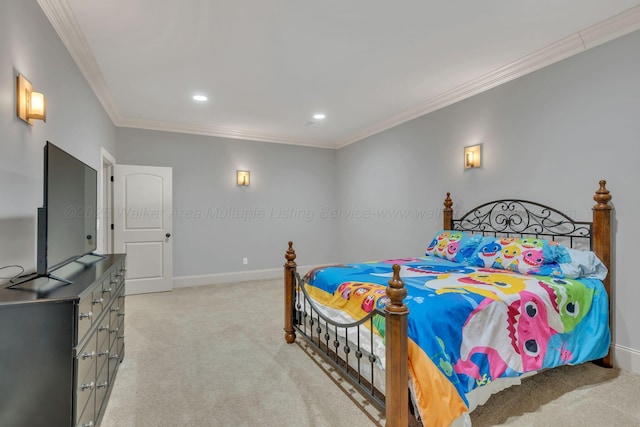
469, 326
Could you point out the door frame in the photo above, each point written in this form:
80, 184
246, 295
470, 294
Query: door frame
105, 207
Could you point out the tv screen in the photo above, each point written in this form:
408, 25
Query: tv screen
69, 212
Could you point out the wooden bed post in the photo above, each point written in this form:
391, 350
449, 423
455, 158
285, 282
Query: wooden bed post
602, 246
448, 213
289, 270
396, 347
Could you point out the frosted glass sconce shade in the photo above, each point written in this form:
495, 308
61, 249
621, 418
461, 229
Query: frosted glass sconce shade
472, 156
243, 178
30, 105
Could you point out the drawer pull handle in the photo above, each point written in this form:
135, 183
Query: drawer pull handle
98, 301
114, 331
103, 328
88, 315
88, 356
89, 424
89, 386
114, 356
102, 385
121, 314
120, 274
115, 309
103, 353
106, 291
120, 337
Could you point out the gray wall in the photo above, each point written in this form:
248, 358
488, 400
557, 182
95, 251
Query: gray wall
216, 223
548, 136
76, 122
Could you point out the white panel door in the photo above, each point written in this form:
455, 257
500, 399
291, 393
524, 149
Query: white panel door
142, 226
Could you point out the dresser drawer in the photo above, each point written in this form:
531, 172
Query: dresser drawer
113, 313
85, 316
87, 417
109, 287
114, 333
85, 399
119, 344
102, 385
114, 362
117, 312
121, 312
86, 362
97, 302
85, 388
102, 354
103, 331
121, 271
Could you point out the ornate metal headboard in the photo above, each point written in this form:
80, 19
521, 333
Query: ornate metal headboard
521, 218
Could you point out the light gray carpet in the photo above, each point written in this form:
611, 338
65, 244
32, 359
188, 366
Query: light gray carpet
215, 356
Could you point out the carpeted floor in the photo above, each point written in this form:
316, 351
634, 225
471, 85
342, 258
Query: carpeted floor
583, 395
215, 356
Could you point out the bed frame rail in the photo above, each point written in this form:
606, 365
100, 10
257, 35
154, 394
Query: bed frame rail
321, 333
356, 361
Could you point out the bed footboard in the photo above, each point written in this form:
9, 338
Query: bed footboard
396, 397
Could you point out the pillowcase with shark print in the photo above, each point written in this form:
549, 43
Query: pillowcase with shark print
527, 255
457, 246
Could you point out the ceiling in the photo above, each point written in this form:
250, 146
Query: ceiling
268, 66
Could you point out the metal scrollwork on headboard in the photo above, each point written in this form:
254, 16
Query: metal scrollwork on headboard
521, 218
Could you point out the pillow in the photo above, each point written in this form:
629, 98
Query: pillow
583, 264
527, 255
456, 246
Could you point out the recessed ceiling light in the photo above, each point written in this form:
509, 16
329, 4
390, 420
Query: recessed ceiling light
319, 116
199, 98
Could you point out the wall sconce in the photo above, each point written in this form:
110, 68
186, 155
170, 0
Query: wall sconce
30, 105
472, 156
243, 178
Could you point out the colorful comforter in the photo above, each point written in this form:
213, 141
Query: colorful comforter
468, 326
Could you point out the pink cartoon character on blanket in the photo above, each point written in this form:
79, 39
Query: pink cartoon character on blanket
520, 346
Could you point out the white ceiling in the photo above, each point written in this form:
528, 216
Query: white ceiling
268, 65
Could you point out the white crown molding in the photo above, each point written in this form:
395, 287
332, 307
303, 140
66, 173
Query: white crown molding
63, 21
612, 28
196, 129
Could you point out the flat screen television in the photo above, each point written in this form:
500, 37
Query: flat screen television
67, 222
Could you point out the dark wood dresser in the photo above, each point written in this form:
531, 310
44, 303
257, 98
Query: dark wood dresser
61, 345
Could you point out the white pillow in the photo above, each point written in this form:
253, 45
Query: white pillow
583, 264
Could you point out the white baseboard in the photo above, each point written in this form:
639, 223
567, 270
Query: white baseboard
239, 276
626, 358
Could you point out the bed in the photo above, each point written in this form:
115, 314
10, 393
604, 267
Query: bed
503, 292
